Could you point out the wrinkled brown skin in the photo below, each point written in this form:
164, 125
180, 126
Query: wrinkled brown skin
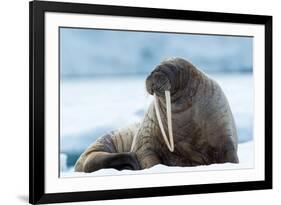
203, 126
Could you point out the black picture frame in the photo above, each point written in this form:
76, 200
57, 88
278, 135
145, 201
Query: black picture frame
37, 192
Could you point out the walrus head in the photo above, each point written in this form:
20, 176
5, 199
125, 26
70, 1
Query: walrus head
168, 80
170, 75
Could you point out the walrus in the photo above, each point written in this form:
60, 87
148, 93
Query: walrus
189, 123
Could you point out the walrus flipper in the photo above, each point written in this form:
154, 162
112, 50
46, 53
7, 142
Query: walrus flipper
119, 161
110, 151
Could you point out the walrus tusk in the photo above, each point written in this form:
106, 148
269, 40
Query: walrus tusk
169, 119
170, 144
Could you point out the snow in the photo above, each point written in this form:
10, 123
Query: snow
245, 154
99, 106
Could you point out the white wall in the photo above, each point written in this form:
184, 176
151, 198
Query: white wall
14, 99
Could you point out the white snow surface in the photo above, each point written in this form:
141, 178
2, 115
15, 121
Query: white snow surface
245, 155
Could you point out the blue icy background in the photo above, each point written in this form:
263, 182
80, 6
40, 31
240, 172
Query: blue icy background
103, 79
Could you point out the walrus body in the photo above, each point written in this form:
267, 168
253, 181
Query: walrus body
204, 130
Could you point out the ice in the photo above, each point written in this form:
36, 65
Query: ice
95, 103
245, 154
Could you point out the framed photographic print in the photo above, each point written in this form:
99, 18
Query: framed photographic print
140, 102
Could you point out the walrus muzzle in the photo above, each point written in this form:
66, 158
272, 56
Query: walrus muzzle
166, 76
157, 82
